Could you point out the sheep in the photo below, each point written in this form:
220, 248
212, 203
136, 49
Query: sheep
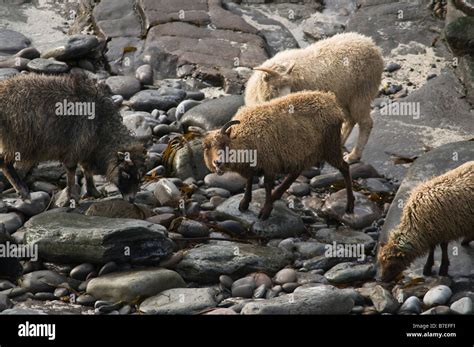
349, 64
283, 144
437, 211
44, 118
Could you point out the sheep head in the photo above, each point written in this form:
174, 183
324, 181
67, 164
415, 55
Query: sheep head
275, 79
127, 170
214, 143
391, 261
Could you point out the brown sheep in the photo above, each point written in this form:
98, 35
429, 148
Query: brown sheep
438, 211
36, 125
288, 134
350, 65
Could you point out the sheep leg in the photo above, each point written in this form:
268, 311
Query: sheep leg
91, 190
268, 206
12, 176
443, 269
245, 202
347, 127
429, 263
72, 188
365, 128
281, 189
343, 168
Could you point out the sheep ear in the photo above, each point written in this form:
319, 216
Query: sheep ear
289, 67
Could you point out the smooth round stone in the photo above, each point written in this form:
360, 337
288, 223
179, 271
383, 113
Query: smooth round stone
226, 281
463, 306
232, 227
117, 99
5, 284
438, 310
357, 309
221, 311
411, 305
109, 267
81, 272
126, 86
47, 66
60, 292
28, 53
299, 189
192, 228
197, 95
215, 201
126, 309
290, 287
164, 219
185, 106
288, 245
44, 296
438, 295
83, 286
285, 276
260, 291
85, 300
144, 74
107, 307
262, 278
224, 193
391, 67
270, 294
230, 181
161, 130
243, 291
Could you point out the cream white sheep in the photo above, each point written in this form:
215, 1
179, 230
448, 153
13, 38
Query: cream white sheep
350, 65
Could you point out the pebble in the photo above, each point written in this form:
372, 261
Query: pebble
383, 300
411, 305
438, 295
260, 291
232, 227
47, 66
285, 276
244, 287
5, 302
290, 287
438, 310
226, 281
125, 86
164, 219
350, 272
299, 189
262, 278
161, 130
230, 181
391, 67
192, 228
109, 267
5, 284
166, 192
126, 309
357, 309
60, 292
463, 306
144, 74
185, 106
44, 296
85, 300
41, 281
81, 271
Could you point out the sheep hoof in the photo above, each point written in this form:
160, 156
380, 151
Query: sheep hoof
443, 271
427, 271
350, 158
265, 212
243, 206
93, 195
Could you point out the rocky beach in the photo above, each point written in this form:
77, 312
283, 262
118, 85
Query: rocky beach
183, 247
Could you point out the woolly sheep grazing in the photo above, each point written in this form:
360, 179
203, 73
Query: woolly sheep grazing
283, 144
349, 64
437, 211
33, 128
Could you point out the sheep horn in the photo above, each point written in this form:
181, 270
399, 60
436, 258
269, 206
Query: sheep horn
267, 70
228, 125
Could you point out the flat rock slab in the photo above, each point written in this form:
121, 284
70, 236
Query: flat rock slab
444, 117
132, 286
180, 301
205, 263
282, 222
433, 163
55, 307
383, 21
323, 299
12, 41
71, 237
